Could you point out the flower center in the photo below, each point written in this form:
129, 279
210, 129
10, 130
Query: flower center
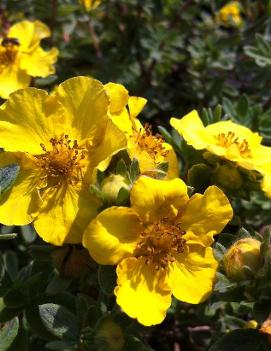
152, 144
229, 139
160, 242
64, 161
8, 52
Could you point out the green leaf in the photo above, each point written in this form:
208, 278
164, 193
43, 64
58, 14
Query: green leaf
261, 53
240, 340
107, 279
134, 170
7, 176
61, 346
121, 168
242, 108
8, 333
60, 322
58, 284
8, 236
123, 197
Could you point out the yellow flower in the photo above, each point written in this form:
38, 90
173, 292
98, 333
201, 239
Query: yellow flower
229, 141
243, 253
150, 150
21, 56
59, 141
161, 245
90, 4
230, 14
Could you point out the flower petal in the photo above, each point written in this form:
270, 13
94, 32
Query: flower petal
85, 103
191, 128
112, 142
118, 96
112, 235
27, 114
142, 291
154, 199
29, 34
65, 213
136, 105
192, 276
171, 159
39, 63
13, 78
206, 215
18, 203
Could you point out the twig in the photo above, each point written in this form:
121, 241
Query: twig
94, 37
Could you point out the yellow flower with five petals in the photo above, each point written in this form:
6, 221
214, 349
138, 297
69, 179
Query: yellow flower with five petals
161, 245
150, 150
21, 56
59, 141
229, 141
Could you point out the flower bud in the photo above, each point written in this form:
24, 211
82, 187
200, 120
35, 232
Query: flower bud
252, 324
112, 185
243, 253
228, 177
111, 335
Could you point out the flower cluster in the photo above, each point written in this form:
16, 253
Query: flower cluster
92, 177
161, 243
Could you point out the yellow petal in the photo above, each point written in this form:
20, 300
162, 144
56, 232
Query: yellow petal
13, 78
206, 215
39, 63
112, 142
173, 164
64, 214
29, 34
18, 204
118, 96
142, 291
25, 121
154, 199
192, 276
123, 121
112, 235
136, 105
241, 132
191, 128
85, 103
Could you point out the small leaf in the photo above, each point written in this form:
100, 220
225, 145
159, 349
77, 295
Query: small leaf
60, 322
7, 176
8, 333
8, 236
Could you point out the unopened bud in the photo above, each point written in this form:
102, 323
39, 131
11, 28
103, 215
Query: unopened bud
228, 177
110, 335
242, 257
112, 185
252, 324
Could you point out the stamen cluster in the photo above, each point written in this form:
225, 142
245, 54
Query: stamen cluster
160, 242
8, 52
153, 144
226, 140
63, 161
